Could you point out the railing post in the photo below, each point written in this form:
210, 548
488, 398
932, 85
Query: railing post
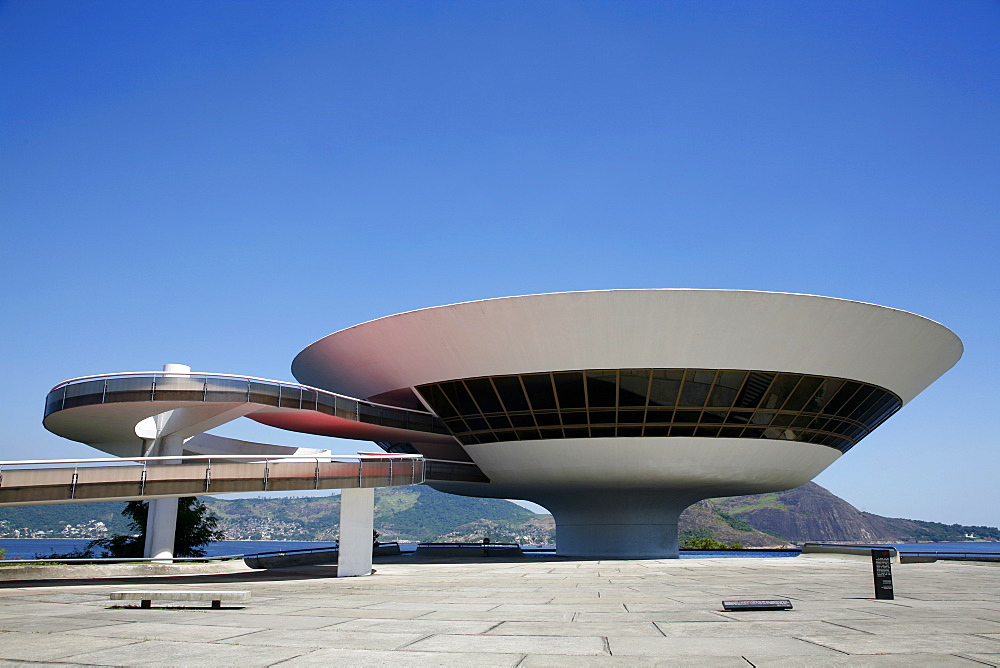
142, 481
104, 392
316, 480
76, 477
267, 472
208, 476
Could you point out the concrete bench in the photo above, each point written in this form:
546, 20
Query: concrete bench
147, 596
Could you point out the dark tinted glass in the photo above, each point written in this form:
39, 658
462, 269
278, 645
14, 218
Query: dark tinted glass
634, 415
481, 390
459, 397
727, 385
843, 396
779, 390
548, 419
802, 393
632, 387
525, 420
665, 385
753, 389
705, 403
511, 394
697, 384
569, 390
602, 389
435, 397
539, 389
827, 389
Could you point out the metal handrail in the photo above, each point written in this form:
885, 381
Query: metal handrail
192, 374
63, 481
183, 458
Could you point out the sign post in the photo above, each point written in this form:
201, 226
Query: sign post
882, 570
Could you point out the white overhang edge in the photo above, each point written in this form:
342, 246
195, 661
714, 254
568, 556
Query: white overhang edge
608, 329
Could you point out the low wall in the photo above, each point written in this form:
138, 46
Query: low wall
467, 550
91, 571
858, 552
288, 560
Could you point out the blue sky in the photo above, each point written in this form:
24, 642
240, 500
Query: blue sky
219, 184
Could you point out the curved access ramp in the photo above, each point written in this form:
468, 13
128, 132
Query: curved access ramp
120, 413
40, 482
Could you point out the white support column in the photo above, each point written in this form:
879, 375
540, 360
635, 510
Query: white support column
357, 521
161, 523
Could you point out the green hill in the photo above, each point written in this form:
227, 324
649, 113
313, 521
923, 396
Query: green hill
417, 513
421, 513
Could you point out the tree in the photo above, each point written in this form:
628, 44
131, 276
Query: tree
709, 544
196, 527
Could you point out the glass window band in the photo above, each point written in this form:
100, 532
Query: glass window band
710, 403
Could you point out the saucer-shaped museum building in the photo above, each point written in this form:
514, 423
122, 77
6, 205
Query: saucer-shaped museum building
617, 409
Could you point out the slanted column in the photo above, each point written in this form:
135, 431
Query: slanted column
357, 522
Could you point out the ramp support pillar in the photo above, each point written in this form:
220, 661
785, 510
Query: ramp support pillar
161, 522
357, 521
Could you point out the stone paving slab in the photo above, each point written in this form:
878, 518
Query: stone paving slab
398, 659
61, 664
697, 647
51, 646
52, 624
365, 613
200, 617
908, 661
750, 629
329, 638
680, 616
430, 607
598, 629
575, 645
933, 625
158, 653
530, 613
166, 631
555, 661
944, 643
423, 626
539, 615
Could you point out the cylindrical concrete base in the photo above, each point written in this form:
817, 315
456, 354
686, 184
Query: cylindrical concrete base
620, 541
616, 524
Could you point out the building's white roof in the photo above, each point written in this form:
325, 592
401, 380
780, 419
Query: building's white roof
609, 329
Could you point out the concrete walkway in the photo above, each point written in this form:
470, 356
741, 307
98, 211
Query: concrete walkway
526, 612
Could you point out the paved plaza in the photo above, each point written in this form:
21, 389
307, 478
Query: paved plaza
526, 612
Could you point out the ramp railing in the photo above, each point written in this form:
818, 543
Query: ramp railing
137, 478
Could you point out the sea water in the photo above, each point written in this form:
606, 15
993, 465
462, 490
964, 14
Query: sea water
39, 548
32, 548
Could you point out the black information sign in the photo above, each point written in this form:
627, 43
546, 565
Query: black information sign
758, 604
882, 570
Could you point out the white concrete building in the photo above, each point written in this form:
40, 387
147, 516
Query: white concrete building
613, 409
617, 409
